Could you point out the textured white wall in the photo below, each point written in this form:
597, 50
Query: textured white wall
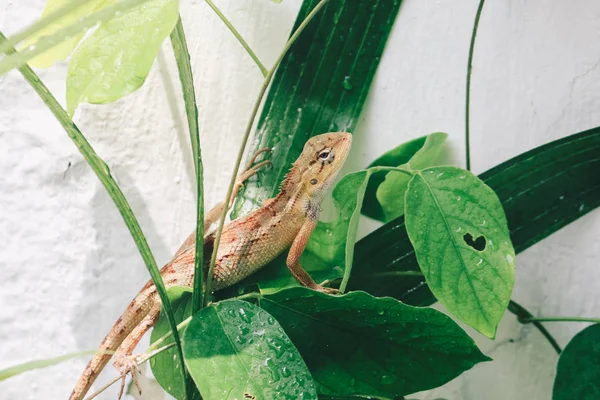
68, 266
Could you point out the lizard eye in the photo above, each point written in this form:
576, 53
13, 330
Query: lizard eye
326, 155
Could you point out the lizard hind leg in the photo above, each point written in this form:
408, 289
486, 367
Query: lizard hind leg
123, 359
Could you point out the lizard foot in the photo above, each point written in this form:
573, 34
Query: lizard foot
126, 364
324, 289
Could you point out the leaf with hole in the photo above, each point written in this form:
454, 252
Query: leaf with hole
360, 345
458, 229
541, 191
235, 350
115, 60
578, 369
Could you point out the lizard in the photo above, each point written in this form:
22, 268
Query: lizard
247, 244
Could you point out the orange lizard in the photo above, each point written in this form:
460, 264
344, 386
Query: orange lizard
247, 244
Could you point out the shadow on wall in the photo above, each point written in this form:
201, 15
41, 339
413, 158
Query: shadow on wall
115, 273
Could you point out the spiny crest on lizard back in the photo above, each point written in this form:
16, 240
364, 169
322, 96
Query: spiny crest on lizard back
320, 161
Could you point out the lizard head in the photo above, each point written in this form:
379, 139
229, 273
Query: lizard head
322, 159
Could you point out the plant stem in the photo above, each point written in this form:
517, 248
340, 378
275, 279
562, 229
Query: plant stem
561, 319
186, 77
238, 160
103, 173
468, 94
239, 37
521, 313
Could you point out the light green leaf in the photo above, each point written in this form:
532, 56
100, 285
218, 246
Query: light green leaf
360, 345
164, 365
64, 49
390, 193
578, 369
48, 362
235, 350
458, 229
115, 60
400, 156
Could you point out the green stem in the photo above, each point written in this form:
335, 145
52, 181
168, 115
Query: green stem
103, 173
561, 319
186, 77
238, 160
239, 37
521, 313
468, 94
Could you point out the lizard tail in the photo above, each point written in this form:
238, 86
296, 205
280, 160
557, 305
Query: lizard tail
133, 315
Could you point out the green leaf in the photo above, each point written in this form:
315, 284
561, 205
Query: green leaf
320, 86
578, 369
541, 191
48, 362
236, 350
115, 60
390, 193
164, 365
361, 345
458, 229
64, 49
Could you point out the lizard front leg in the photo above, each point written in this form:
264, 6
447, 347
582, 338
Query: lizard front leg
293, 259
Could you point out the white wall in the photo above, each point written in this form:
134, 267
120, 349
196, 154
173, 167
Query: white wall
68, 266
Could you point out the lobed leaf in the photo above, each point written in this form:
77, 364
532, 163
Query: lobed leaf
360, 345
458, 229
578, 369
115, 60
235, 350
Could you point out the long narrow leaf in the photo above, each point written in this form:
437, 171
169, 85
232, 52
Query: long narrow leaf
321, 84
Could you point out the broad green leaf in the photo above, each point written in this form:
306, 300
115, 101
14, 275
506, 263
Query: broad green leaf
578, 369
390, 194
64, 49
115, 60
165, 365
320, 86
541, 191
458, 229
361, 345
235, 350
48, 362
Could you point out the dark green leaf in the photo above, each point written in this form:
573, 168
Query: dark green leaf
458, 229
164, 365
357, 344
541, 191
578, 369
235, 350
321, 84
